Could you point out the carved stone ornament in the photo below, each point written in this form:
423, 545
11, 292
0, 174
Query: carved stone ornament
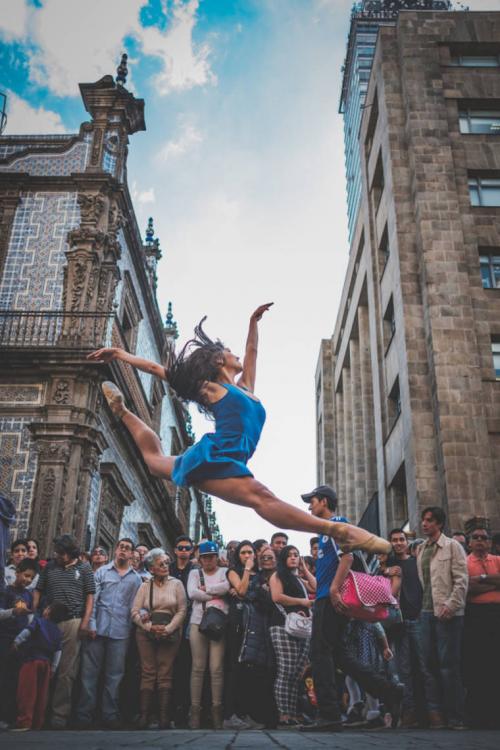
62, 392
52, 451
116, 220
48, 486
92, 206
97, 146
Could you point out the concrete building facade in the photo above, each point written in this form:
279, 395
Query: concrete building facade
76, 275
408, 387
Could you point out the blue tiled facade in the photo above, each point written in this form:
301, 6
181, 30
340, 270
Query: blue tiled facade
33, 271
18, 464
61, 408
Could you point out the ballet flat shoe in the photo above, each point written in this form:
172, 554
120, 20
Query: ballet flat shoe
351, 538
114, 397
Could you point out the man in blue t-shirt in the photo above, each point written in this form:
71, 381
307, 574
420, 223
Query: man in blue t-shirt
329, 623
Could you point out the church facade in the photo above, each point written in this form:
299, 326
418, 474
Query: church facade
76, 275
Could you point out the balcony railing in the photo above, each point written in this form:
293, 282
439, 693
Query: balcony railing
28, 329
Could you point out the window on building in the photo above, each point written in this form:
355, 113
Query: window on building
476, 61
372, 124
130, 314
495, 350
394, 404
383, 250
490, 270
479, 121
484, 191
389, 323
378, 182
156, 405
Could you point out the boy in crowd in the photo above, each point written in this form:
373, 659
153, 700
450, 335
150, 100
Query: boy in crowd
16, 605
18, 551
40, 645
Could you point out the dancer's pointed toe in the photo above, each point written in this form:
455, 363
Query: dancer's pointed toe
351, 538
114, 397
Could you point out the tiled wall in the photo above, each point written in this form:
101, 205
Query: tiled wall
73, 160
33, 273
18, 464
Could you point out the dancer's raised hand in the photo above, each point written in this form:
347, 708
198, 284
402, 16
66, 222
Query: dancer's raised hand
259, 312
107, 354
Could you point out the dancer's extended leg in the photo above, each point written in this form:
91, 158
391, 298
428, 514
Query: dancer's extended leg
245, 491
250, 493
144, 437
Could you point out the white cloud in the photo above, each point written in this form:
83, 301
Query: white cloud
25, 119
187, 141
14, 19
143, 197
72, 42
184, 65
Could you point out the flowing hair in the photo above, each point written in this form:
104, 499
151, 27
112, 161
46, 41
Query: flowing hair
197, 363
287, 578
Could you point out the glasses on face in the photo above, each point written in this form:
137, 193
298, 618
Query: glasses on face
124, 547
267, 558
479, 537
184, 548
163, 564
98, 552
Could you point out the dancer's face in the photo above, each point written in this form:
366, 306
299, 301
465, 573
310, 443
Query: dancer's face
231, 361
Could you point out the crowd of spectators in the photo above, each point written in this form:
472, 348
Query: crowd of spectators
253, 636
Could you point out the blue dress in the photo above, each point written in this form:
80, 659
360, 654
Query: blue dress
239, 420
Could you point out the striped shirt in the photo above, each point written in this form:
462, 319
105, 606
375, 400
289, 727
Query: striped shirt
70, 586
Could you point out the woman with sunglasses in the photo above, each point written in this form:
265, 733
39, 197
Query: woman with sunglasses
159, 611
209, 374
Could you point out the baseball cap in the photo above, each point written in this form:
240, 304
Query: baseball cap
322, 491
208, 548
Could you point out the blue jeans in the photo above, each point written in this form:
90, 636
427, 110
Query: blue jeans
108, 655
410, 658
442, 650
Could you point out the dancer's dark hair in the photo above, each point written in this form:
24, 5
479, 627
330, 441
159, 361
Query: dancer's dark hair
287, 578
197, 362
237, 565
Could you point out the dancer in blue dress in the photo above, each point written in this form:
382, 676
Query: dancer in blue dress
209, 374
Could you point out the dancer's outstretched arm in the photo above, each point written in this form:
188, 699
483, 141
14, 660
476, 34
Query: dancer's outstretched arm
250, 359
107, 354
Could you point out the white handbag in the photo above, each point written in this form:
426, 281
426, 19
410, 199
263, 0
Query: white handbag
297, 625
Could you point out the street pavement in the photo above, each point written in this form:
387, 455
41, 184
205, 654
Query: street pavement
209, 740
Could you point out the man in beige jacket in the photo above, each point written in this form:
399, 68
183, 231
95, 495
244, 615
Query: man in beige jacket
442, 569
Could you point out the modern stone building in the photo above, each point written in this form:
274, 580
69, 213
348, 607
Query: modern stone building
408, 388
76, 275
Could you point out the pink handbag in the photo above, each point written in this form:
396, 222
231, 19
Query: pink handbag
367, 597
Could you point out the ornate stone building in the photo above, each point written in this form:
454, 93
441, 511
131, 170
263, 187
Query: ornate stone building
75, 275
408, 387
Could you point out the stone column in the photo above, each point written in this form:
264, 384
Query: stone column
367, 404
339, 446
359, 499
347, 502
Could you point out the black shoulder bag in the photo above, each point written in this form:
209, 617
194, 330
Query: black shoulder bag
214, 621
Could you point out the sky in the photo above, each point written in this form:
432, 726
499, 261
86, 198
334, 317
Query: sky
241, 167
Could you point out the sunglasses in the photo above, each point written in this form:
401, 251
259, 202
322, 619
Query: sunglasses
267, 557
480, 537
186, 548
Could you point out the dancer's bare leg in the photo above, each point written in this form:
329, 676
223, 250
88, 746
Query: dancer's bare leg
245, 491
143, 436
149, 445
250, 493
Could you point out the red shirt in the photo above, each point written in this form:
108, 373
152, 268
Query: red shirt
476, 567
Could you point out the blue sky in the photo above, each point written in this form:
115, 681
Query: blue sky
241, 167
